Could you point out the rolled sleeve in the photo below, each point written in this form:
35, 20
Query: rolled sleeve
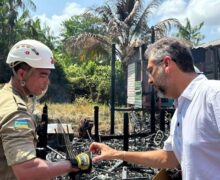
167, 145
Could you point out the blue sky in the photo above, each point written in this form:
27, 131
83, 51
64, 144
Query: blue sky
52, 7
53, 13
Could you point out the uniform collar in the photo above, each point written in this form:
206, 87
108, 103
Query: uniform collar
9, 86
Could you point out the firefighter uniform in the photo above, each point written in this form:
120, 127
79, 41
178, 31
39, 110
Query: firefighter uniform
17, 131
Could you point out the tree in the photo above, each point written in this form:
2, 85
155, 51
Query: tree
12, 8
16, 24
125, 23
92, 81
78, 25
191, 33
9, 13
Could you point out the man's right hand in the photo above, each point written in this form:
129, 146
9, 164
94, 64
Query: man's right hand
103, 152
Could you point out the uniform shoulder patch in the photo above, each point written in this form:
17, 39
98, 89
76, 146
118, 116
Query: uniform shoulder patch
21, 124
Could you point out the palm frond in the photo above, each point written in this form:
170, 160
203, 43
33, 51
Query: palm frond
31, 4
105, 12
87, 42
164, 26
134, 12
141, 25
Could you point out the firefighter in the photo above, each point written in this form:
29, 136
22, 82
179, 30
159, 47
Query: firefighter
31, 62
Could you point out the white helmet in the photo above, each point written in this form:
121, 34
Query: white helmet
32, 52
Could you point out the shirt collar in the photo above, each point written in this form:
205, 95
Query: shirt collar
191, 89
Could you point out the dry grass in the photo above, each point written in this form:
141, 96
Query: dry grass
82, 108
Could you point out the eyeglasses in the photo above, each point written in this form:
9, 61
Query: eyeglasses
150, 71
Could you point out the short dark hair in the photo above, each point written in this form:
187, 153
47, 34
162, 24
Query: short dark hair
21, 65
177, 49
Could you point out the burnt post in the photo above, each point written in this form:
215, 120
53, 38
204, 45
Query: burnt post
112, 130
162, 120
42, 134
96, 122
126, 133
152, 109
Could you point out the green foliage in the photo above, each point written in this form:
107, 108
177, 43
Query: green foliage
91, 80
16, 24
9, 18
122, 22
80, 24
72, 77
190, 33
84, 24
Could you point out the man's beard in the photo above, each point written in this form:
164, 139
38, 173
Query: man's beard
160, 85
161, 93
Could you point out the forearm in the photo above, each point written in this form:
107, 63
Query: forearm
38, 169
156, 159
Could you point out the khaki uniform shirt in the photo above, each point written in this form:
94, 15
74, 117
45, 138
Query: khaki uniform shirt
17, 131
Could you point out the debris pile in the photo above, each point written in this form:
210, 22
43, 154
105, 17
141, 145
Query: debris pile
116, 169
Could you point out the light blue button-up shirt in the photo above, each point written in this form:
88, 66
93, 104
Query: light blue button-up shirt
195, 130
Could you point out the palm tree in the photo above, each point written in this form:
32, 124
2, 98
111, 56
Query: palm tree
9, 12
9, 15
87, 24
190, 33
13, 7
125, 23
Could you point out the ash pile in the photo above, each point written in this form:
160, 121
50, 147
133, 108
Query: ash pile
140, 139
114, 169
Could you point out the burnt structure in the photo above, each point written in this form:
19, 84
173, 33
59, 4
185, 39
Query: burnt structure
207, 59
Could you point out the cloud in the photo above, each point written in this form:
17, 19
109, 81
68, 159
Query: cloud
170, 8
196, 11
55, 21
204, 10
73, 9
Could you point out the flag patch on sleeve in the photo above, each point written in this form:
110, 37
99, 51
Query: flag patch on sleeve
21, 123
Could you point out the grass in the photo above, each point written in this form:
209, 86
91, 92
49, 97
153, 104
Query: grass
80, 109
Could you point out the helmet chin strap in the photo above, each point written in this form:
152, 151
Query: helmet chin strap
26, 77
